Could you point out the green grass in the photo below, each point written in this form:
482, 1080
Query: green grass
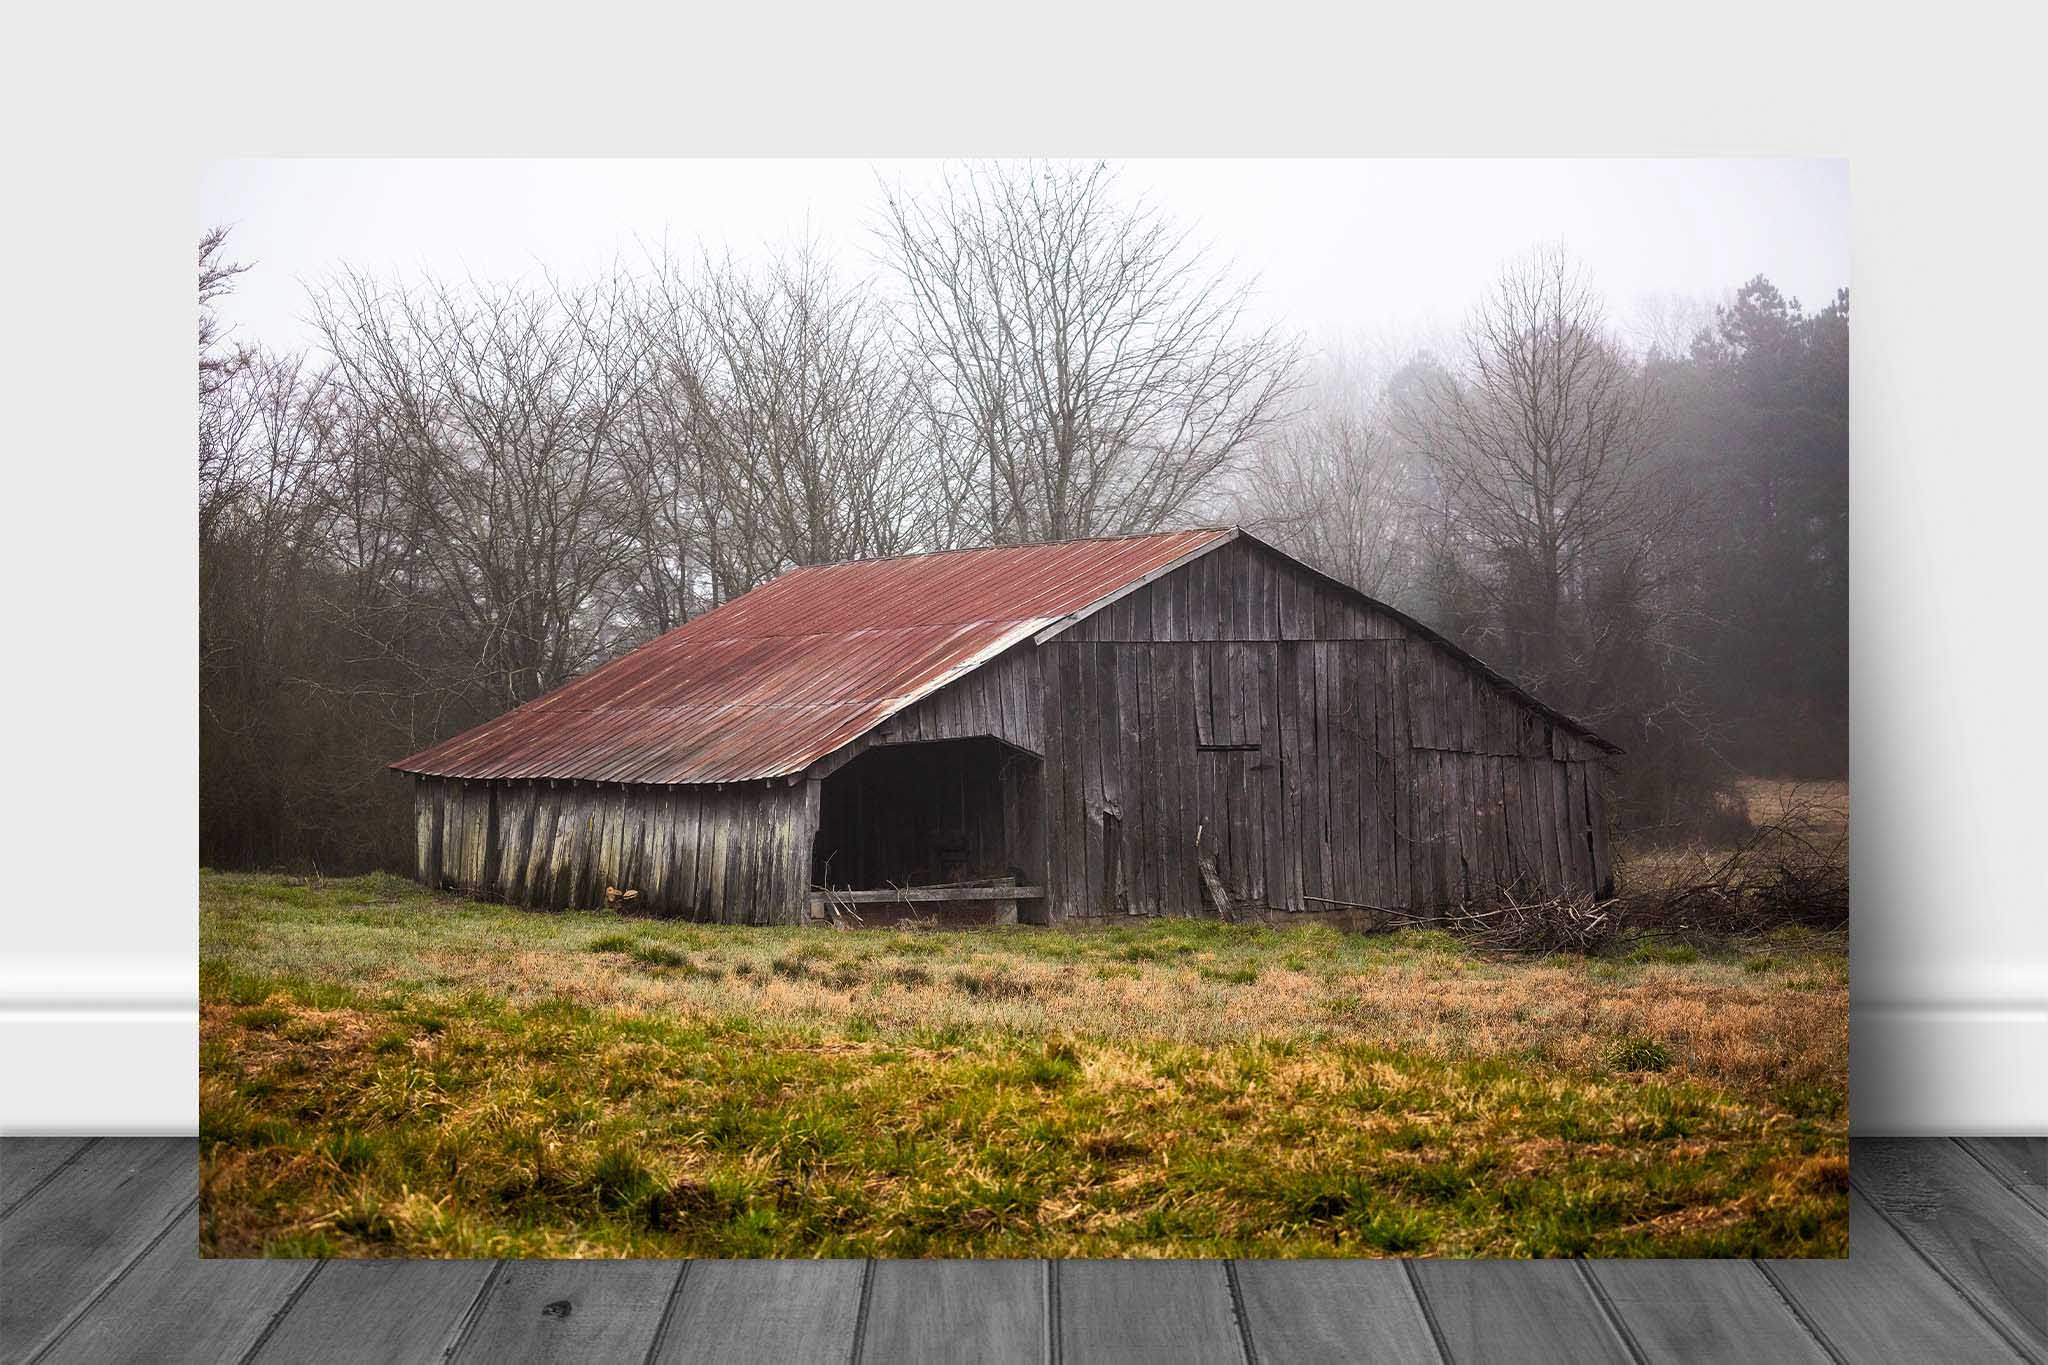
1639, 1054
390, 1072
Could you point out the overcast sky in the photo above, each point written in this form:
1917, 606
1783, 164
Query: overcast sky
1341, 248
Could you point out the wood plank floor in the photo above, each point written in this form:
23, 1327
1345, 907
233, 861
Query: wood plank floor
1948, 1262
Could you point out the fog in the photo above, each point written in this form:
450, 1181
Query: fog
1339, 248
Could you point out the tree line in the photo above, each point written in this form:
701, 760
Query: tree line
467, 493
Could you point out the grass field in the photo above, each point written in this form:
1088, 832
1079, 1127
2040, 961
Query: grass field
386, 1071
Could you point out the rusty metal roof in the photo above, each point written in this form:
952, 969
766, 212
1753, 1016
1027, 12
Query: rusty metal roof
771, 682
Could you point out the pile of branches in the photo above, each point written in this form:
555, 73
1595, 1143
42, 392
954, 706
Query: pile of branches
1513, 924
1538, 927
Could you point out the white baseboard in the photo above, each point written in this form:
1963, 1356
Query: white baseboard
89, 1048
1933, 1069
99, 1071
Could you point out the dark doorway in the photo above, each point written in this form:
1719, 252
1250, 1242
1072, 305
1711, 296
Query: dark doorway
930, 813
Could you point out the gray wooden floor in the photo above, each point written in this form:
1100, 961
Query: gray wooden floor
98, 1263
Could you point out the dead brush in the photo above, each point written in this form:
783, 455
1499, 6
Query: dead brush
1524, 927
1561, 924
1789, 872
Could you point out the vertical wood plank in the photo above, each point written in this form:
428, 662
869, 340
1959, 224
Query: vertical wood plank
1087, 722
1537, 1312
514, 814
1289, 591
1316, 747
1230, 583
635, 814
657, 848
1200, 577
534, 846
1207, 776
1580, 829
1153, 817
1294, 827
1333, 1311
940, 1311
424, 852
450, 871
1066, 879
811, 811
476, 836
718, 833
1432, 838
489, 874
570, 1311
562, 847
1190, 894
762, 1313
1384, 887
1136, 785
1401, 774
685, 874
1246, 802
1516, 815
1596, 813
1281, 874
1349, 759
1142, 1312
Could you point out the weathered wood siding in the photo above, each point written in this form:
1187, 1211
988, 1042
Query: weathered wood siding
1003, 698
1320, 749
737, 854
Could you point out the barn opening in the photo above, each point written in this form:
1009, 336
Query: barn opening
945, 829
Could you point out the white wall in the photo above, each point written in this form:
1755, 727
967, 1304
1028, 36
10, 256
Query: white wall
1949, 740
1948, 518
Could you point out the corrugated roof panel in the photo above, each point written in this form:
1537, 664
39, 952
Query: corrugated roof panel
771, 682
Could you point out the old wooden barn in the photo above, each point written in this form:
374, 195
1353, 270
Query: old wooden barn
1159, 724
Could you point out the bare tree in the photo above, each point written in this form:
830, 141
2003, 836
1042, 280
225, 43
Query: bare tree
1334, 484
786, 417
218, 361
1089, 370
223, 417
494, 416
1543, 447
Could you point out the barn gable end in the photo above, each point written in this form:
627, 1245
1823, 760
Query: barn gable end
1324, 750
